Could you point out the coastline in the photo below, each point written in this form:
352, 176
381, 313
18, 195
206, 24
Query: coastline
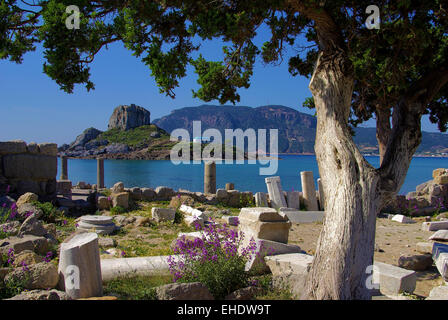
131, 156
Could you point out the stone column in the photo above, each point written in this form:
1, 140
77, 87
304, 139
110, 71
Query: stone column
261, 199
309, 190
100, 173
230, 186
80, 268
64, 174
210, 177
321, 194
275, 192
293, 199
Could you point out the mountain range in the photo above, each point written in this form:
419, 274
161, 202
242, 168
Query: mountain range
296, 130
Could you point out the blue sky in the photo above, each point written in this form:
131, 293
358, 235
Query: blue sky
33, 108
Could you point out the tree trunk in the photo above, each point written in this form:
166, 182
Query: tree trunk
346, 243
383, 130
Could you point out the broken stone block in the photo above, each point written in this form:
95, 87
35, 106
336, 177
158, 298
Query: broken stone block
290, 270
441, 235
103, 203
266, 248
441, 179
275, 191
183, 291
293, 199
193, 221
120, 200
435, 225
439, 172
438, 293
402, 219
80, 267
261, 199
231, 220
442, 265
264, 223
425, 247
296, 216
97, 224
118, 187
394, 280
163, 214
440, 257
418, 262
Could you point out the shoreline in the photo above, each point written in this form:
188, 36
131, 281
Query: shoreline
123, 157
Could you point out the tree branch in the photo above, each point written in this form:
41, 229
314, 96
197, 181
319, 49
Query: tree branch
406, 133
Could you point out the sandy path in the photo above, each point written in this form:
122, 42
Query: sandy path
394, 238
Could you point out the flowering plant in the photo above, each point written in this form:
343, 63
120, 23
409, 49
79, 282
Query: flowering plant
217, 260
439, 207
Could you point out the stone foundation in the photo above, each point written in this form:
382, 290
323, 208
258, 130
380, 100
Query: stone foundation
428, 198
28, 168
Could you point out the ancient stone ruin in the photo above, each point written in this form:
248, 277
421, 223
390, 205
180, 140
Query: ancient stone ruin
428, 198
28, 168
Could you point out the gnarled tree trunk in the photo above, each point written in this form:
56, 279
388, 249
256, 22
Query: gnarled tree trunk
346, 243
383, 130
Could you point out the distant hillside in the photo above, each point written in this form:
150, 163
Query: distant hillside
296, 130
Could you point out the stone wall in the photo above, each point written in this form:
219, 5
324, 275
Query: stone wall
28, 168
428, 198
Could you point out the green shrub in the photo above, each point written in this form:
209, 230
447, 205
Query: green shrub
50, 213
179, 217
117, 210
135, 288
14, 285
213, 260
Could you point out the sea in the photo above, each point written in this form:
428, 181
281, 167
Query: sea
246, 177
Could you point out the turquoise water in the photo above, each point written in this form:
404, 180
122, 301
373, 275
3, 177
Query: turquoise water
153, 173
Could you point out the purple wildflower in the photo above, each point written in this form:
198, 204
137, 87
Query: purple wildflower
48, 256
25, 266
11, 257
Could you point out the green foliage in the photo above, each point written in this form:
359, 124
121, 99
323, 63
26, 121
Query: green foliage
246, 201
135, 288
222, 276
408, 52
17, 30
13, 286
4, 215
3, 234
178, 217
50, 213
269, 292
117, 210
214, 260
137, 137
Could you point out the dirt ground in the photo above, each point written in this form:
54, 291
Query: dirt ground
394, 238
